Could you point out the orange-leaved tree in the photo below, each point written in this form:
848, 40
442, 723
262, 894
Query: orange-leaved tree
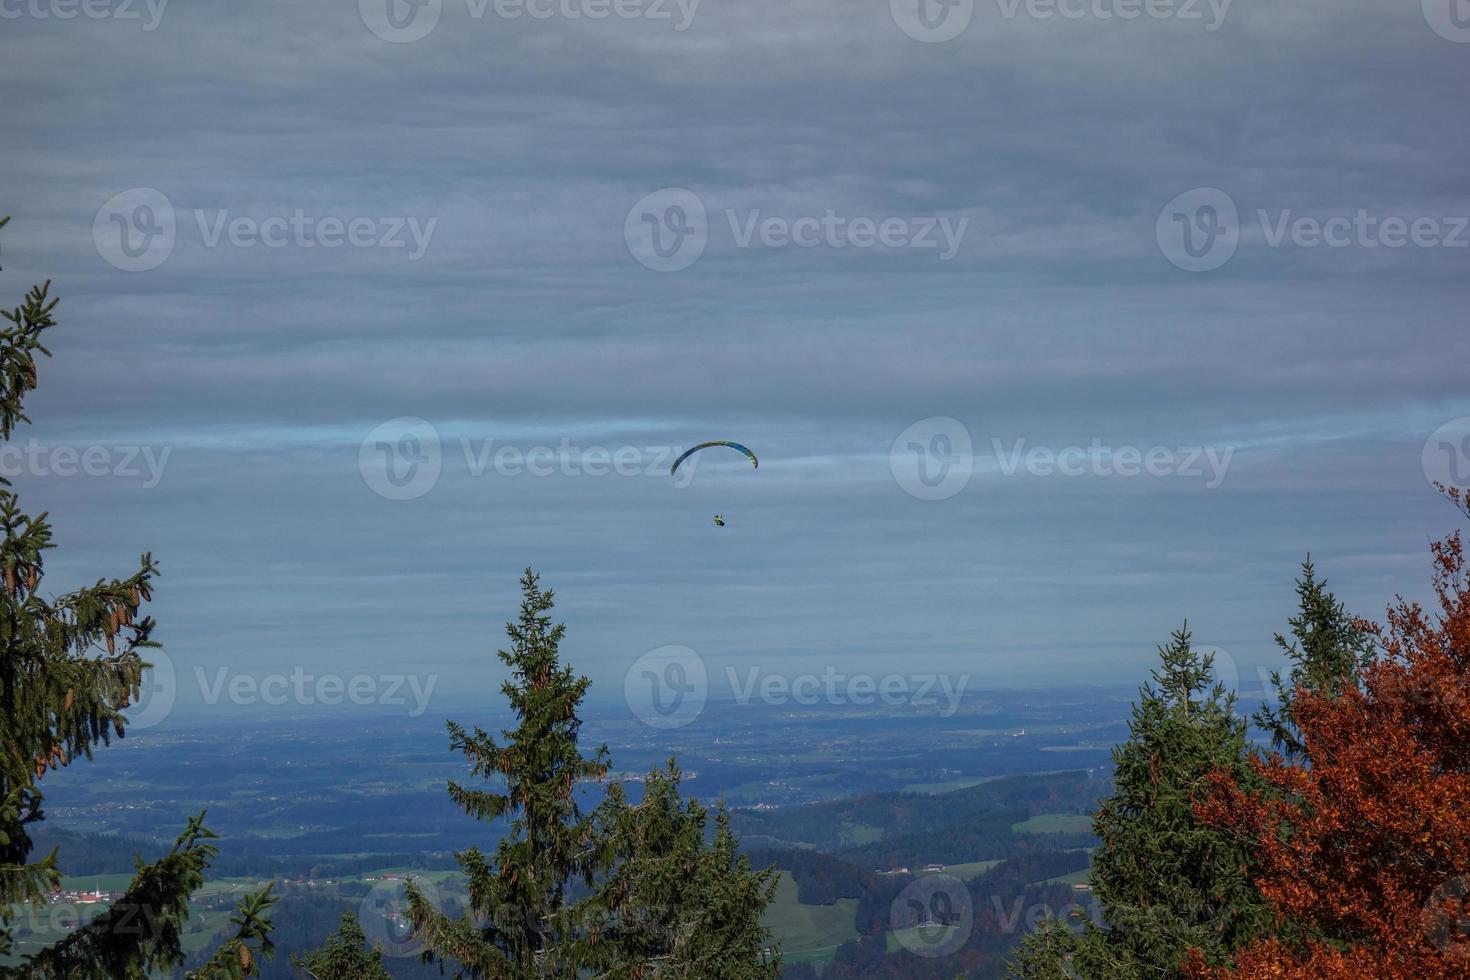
1365, 840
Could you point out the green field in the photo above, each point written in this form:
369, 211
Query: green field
1054, 823
916, 937
1080, 747
1075, 878
808, 933
965, 872
947, 787
858, 834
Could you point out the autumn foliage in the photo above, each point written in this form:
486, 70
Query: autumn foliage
1364, 842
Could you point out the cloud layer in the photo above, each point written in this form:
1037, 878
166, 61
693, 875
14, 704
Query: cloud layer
519, 148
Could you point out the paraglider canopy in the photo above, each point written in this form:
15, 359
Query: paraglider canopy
755, 463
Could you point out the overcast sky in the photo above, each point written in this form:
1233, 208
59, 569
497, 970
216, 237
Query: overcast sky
331, 273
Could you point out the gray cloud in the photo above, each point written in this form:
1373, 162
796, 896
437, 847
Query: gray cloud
527, 142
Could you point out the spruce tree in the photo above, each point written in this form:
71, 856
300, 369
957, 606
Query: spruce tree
71, 663
1328, 650
620, 892
1165, 881
672, 905
517, 923
346, 955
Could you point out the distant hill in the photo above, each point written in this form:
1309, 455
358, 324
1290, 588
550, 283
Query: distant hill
883, 830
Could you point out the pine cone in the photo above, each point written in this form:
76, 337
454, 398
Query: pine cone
245, 957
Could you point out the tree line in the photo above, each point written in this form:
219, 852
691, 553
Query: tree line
1339, 850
